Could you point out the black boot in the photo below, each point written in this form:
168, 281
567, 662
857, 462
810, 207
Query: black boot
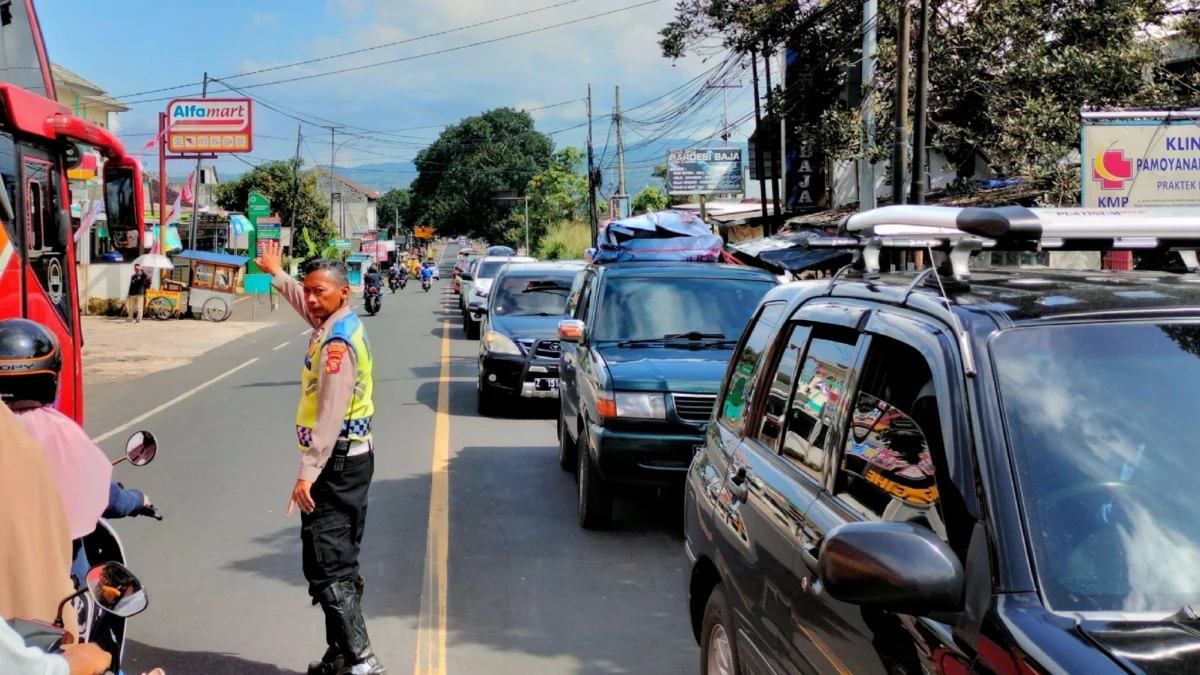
360, 659
332, 661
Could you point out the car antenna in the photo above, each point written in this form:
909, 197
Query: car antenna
964, 340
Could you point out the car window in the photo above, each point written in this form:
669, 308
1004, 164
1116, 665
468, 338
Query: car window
585, 299
531, 296
887, 469
819, 387
782, 376
651, 307
576, 289
739, 391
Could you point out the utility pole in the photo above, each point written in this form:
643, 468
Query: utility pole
758, 143
774, 164
196, 188
866, 169
900, 147
621, 196
593, 208
332, 156
919, 177
295, 187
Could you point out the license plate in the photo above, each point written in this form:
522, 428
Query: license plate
545, 384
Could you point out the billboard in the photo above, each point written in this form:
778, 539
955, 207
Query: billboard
1140, 163
696, 172
423, 232
209, 125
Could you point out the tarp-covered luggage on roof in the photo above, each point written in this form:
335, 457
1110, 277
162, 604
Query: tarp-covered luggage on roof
661, 235
787, 251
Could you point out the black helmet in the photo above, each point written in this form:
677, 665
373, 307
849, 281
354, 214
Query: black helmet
29, 362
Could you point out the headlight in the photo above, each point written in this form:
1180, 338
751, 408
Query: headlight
645, 406
499, 344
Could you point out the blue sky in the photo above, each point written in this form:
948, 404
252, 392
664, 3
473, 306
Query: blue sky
132, 46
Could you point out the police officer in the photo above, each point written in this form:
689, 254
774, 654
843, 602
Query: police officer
333, 426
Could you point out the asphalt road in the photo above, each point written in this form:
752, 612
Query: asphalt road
473, 560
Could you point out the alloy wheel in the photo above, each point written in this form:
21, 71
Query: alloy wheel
720, 656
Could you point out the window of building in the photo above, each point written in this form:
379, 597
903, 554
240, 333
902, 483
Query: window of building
739, 392
819, 387
887, 470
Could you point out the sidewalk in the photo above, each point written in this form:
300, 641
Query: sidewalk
116, 350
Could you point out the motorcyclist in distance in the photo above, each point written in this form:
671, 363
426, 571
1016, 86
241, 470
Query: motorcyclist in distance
372, 280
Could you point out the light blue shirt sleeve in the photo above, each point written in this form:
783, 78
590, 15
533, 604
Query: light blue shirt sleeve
17, 659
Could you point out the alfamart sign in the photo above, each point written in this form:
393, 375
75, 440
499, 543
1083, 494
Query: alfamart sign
210, 125
1133, 163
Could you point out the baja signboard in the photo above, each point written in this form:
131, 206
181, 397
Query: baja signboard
203, 125
1138, 162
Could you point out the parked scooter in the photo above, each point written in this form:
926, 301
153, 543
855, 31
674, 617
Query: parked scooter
103, 546
110, 589
374, 301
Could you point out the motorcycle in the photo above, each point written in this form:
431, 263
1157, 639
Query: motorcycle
103, 546
110, 589
393, 283
426, 284
403, 282
374, 302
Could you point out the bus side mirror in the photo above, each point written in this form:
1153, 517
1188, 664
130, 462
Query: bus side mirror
123, 198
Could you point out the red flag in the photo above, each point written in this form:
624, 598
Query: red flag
187, 188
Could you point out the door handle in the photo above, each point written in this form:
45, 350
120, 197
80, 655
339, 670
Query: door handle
735, 482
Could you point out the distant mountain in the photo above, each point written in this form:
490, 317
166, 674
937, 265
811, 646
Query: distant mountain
383, 176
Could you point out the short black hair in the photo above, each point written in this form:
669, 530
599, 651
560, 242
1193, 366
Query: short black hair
335, 267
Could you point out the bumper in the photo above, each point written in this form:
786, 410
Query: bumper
478, 305
637, 458
516, 376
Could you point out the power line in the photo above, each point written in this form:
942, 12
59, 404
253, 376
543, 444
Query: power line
427, 54
359, 51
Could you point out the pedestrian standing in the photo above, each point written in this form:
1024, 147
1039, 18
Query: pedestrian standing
333, 427
135, 303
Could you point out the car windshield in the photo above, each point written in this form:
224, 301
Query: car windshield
533, 296
1097, 419
488, 268
644, 308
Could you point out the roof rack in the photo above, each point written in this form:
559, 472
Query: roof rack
962, 232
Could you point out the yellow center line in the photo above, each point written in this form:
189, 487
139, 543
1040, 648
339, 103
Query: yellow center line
431, 622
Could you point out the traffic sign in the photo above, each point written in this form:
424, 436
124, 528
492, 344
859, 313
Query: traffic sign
209, 125
423, 232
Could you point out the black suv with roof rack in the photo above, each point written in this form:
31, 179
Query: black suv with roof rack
980, 471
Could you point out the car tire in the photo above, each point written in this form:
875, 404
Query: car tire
718, 644
566, 447
595, 496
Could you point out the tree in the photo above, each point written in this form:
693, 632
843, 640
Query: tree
457, 174
557, 194
651, 198
391, 208
660, 172
276, 181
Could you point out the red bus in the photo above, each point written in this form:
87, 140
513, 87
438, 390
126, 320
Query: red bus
37, 253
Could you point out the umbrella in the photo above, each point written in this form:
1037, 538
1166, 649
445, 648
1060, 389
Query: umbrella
154, 261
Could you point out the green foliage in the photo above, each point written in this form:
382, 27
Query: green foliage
565, 241
497, 150
276, 182
558, 193
391, 209
314, 249
651, 198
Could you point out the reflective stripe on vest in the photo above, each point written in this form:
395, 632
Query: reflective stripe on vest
358, 417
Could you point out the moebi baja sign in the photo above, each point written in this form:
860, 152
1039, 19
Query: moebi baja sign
1139, 163
209, 125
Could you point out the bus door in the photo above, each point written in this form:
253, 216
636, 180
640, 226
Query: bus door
48, 261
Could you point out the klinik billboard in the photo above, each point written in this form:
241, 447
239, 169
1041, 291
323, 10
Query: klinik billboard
1133, 159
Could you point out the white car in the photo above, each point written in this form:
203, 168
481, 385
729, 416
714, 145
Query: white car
475, 287
430, 263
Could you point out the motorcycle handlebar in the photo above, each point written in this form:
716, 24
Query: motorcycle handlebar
150, 511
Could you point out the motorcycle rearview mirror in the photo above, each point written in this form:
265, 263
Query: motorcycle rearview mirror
116, 590
141, 448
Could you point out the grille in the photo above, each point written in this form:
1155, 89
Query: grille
525, 345
548, 349
694, 407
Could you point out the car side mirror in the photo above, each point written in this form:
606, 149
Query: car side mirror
571, 330
892, 566
466, 277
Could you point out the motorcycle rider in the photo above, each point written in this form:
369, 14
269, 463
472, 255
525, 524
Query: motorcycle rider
81, 469
426, 274
372, 280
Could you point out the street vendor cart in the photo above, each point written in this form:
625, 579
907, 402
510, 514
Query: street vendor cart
212, 280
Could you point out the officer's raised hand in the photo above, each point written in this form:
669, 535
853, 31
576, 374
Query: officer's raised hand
270, 260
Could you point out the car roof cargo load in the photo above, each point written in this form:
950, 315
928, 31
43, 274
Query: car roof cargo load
660, 235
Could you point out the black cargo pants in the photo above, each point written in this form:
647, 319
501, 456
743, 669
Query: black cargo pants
332, 534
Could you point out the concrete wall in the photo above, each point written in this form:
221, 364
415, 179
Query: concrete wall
356, 211
108, 281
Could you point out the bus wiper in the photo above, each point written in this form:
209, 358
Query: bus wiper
694, 335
